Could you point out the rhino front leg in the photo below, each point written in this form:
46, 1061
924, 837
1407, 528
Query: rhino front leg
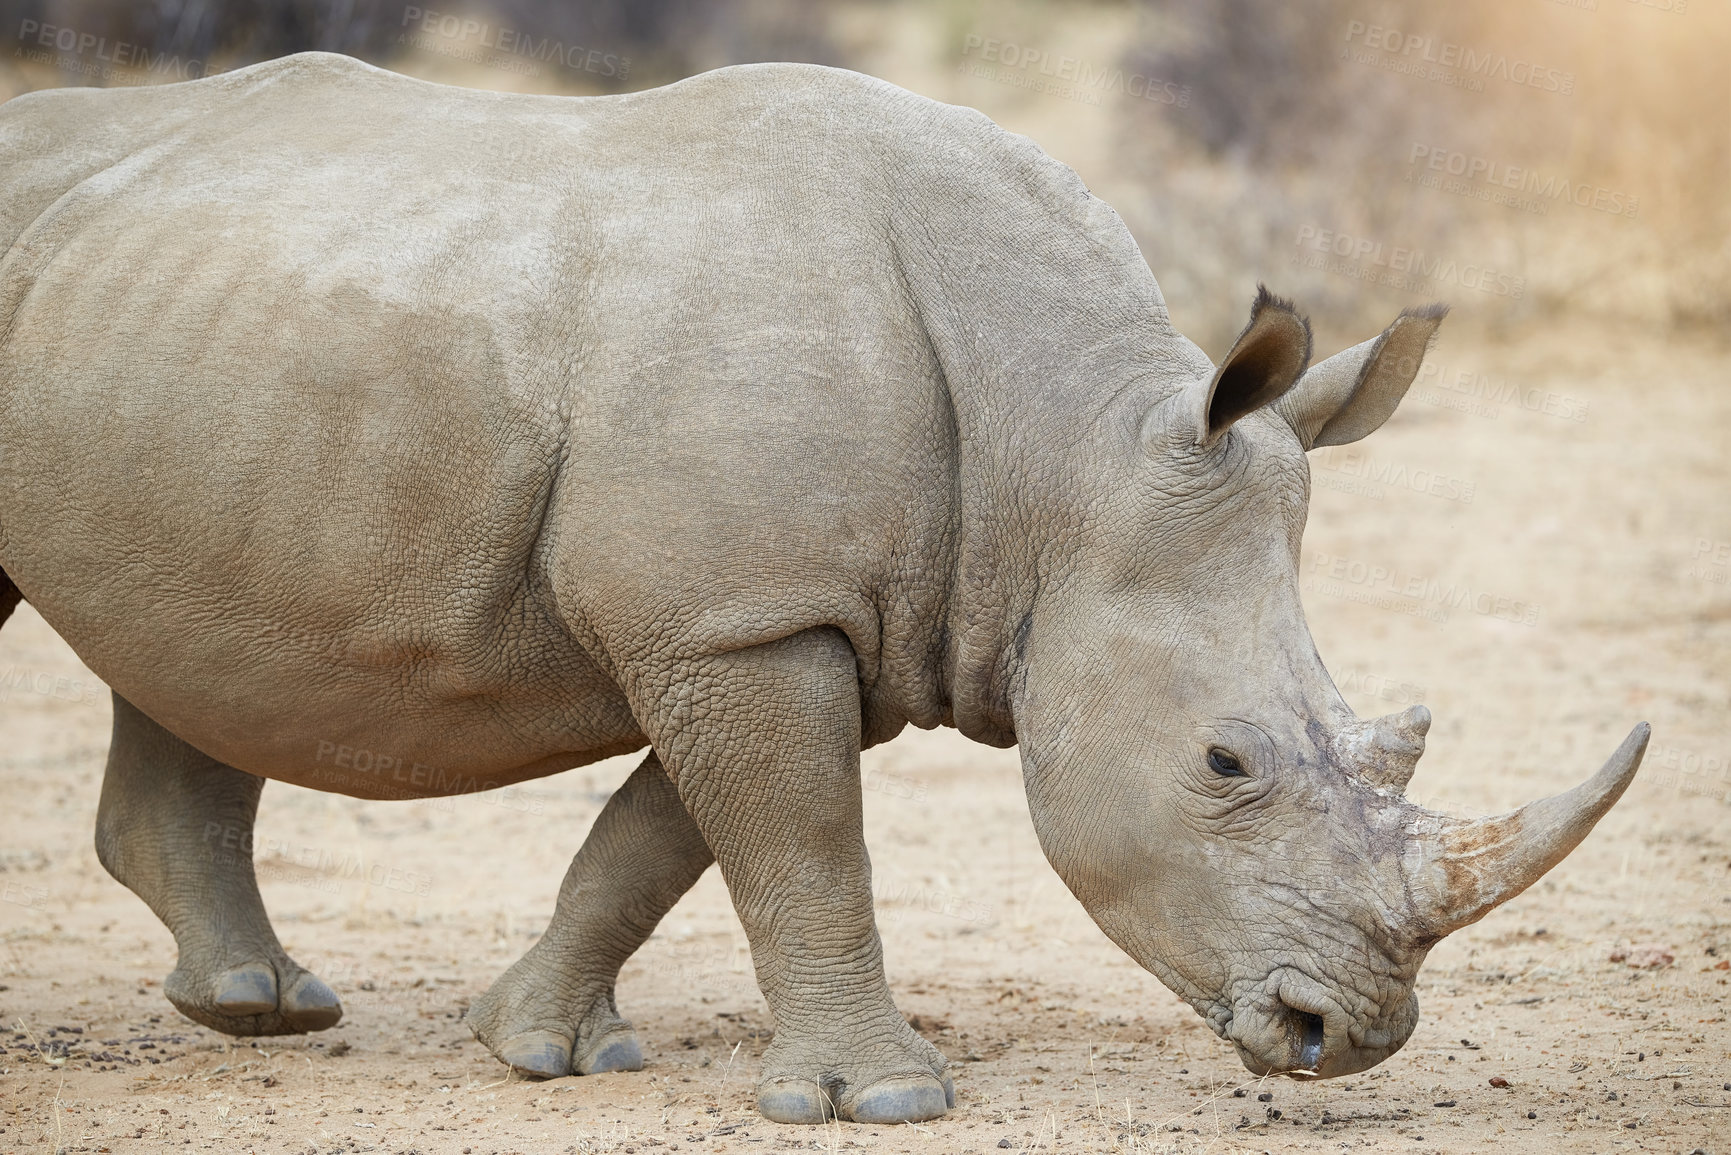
175, 827
553, 1012
764, 745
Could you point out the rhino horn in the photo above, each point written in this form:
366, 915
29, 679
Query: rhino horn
1458, 870
1385, 751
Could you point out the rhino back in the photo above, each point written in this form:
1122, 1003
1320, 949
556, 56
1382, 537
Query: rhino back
342, 408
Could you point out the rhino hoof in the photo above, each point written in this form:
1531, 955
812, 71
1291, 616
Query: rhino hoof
794, 1101
247, 990
311, 1005
617, 1051
904, 1099
538, 1054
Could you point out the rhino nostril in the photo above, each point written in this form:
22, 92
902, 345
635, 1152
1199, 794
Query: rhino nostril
1310, 1044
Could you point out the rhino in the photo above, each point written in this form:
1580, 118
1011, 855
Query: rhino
401, 440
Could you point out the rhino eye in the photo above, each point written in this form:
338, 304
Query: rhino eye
1224, 764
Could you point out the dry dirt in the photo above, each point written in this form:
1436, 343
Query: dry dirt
1611, 532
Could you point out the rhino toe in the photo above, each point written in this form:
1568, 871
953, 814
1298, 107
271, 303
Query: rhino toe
311, 1005
903, 1099
615, 1051
246, 990
794, 1100
538, 1054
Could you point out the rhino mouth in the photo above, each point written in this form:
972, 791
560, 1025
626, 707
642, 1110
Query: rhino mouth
1283, 1030
1310, 1040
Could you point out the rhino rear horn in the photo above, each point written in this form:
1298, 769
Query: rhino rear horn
1459, 870
1385, 751
1352, 393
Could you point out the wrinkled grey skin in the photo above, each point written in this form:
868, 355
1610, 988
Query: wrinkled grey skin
749, 420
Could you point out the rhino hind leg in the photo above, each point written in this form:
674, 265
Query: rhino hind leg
175, 827
553, 1012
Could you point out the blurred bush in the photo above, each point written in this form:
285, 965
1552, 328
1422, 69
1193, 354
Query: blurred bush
664, 39
1325, 116
1312, 145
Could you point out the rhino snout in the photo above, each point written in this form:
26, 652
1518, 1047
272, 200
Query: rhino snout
1293, 1027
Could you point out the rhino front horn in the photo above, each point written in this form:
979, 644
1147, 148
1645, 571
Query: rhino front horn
1460, 869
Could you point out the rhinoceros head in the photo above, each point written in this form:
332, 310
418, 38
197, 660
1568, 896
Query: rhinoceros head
1195, 776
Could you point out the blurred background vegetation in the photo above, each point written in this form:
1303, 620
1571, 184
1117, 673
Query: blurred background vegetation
1525, 160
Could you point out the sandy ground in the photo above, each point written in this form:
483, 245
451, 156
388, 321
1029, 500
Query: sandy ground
1607, 540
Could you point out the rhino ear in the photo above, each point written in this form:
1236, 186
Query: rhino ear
1352, 393
1267, 359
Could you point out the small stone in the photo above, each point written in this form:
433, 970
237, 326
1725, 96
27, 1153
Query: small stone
1001, 1143
1649, 956
1499, 1081
1265, 1097
1239, 1093
1444, 1103
1532, 1114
